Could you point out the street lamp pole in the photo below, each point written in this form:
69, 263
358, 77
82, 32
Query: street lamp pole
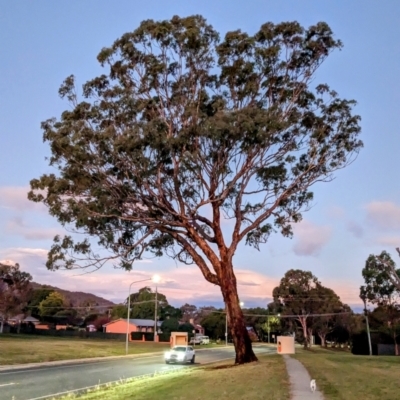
155, 278
226, 327
155, 317
268, 327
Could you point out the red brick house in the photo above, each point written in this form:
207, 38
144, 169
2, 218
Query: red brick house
135, 325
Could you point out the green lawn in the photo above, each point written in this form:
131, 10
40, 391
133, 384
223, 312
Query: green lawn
21, 349
266, 379
342, 375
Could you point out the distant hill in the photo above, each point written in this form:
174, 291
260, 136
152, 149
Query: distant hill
77, 299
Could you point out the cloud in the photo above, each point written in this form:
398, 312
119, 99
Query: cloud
16, 198
356, 229
384, 215
183, 284
310, 238
17, 226
390, 241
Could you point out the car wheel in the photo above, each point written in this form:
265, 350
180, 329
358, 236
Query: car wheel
192, 360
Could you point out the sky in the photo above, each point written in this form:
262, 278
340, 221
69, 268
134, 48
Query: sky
355, 215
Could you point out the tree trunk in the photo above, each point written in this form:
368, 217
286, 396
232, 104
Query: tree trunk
236, 323
396, 350
303, 323
309, 337
322, 337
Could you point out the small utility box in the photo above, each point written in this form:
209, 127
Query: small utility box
179, 339
285, 344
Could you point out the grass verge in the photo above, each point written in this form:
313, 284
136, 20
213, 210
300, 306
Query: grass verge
266, 379
22, 349
342, 375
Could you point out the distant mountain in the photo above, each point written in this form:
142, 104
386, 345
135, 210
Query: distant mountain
78, 299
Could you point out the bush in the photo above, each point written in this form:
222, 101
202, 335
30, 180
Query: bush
136, 335
164, 337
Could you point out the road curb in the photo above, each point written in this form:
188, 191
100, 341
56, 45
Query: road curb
4, 368
59, 363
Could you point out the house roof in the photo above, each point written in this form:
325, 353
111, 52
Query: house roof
30, 319
137, 322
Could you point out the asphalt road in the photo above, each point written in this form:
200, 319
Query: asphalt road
42, 382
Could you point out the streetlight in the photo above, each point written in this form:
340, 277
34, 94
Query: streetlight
155, 279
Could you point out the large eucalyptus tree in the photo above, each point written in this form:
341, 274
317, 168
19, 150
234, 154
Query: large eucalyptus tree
186, 129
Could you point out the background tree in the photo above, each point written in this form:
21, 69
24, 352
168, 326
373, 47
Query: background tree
297, 295
14, 291
381, 290
100, 321
328, 303
143, 303
385, 263
185, 129
52, 304
189, 311
170, 325
214, 325
187, 327
166, 311
35, 298
119, 311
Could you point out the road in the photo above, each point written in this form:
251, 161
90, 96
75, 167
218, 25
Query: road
43, 382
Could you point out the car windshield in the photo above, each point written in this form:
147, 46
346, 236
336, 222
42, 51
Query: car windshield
179, 348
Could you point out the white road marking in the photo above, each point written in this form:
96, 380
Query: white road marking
7, 384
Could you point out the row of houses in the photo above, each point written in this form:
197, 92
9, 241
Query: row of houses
117, 326
139, 325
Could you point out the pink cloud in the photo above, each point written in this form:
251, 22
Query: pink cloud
16, 198
310, 238
180, 285
17, 226
391, 241
383, 215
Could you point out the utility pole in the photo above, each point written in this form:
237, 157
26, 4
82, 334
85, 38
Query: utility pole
155, 317
226, 327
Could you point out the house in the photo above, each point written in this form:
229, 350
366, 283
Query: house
198, 328
31, 320
135, 325
21, 319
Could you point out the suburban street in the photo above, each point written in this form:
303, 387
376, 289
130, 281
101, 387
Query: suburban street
40, 383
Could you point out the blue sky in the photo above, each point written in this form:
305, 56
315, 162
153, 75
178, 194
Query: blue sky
353, 216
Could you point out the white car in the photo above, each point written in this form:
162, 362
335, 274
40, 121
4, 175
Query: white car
205, 340
180, 354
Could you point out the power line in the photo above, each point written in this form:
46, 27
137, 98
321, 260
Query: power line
89, 307
288, 316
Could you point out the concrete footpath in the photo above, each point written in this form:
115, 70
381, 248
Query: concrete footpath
300, 381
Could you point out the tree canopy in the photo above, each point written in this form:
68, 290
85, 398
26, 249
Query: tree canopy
143, 303
186, 129
314, 307
53, 304
14, 290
